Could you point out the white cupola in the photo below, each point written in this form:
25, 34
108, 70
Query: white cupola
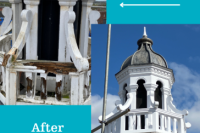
146, 75
145, 84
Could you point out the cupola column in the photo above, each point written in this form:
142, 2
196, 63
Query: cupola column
165, 93
132, 119
150, 94
150, 99
32, 41
16, 19
63, 54
132, 89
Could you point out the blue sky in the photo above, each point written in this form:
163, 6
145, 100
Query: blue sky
178, 44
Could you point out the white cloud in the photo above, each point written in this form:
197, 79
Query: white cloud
97, 103
185, 92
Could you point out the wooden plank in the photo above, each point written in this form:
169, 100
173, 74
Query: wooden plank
59, 87
53, 66
58, 90
43, 90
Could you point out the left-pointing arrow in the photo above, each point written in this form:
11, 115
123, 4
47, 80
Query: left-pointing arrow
122, 4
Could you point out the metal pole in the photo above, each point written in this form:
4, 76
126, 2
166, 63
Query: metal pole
111, 119
106, 80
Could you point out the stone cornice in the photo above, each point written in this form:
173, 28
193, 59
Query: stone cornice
15, 1
32, 2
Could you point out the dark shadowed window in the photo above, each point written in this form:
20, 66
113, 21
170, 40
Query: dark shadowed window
158, 94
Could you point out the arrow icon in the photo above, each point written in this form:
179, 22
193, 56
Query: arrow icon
122, 4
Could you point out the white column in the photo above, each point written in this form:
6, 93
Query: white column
180, 125
150, 94
84, 32
32, 41
132, 119
122, 121
74, 88
7, 86
133, 89
11, 87
174, 125
150, 99
138, 122
16, 21
155, 121
81, 88
122, 124
63, 54
165, 93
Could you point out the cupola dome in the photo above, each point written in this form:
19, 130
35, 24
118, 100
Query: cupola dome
144, 54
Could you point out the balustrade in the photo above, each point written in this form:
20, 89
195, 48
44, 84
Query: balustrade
163, 122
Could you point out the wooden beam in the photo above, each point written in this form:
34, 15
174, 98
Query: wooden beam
43, 90
53, 66
58, 90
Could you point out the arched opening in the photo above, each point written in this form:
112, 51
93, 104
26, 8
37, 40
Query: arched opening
141, 95
158, 94
141, 99
125, 99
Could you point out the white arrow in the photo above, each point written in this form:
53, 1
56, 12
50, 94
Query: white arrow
122, 4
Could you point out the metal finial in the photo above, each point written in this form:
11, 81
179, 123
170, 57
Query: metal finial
145, 33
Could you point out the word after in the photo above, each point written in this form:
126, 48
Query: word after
48, 128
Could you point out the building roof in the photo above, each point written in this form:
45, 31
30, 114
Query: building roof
144, 54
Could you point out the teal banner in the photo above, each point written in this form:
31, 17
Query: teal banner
29, 119
153, 12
